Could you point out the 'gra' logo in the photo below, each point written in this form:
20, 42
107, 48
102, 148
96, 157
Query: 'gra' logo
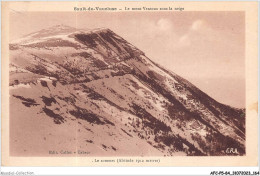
231, 150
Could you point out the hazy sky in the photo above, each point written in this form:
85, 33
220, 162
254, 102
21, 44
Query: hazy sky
206, 48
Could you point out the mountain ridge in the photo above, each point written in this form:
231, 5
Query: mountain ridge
104, 81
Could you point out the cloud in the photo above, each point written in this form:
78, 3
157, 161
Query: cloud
198, 30
161, 27
198, 25
185, 40
164, 24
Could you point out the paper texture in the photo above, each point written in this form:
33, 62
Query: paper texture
129, 84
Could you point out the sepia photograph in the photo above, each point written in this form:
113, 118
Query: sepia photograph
85, 88
130, 83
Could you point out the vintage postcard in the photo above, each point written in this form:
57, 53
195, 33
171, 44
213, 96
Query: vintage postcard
129, 84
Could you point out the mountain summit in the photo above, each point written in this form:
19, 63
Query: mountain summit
93, 93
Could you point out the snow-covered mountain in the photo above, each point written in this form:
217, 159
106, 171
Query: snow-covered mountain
93, 93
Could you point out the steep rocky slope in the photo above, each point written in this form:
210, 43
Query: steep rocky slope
92, 91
